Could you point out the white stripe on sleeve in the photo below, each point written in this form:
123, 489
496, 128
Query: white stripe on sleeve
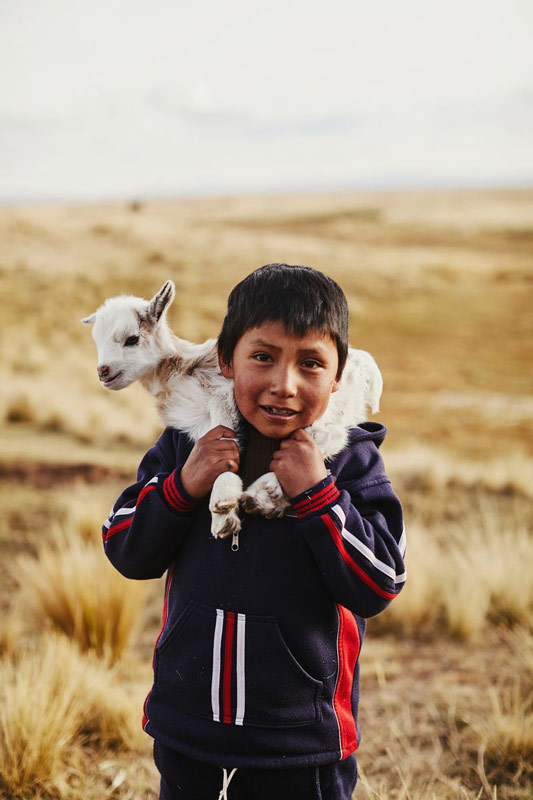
362, 548
125, 510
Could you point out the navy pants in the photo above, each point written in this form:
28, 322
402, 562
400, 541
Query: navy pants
184, 778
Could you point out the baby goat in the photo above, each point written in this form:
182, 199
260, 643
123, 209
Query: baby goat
134, 342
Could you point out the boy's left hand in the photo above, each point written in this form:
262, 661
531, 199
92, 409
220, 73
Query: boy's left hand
298, 464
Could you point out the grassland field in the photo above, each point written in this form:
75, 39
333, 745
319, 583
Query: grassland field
439, 288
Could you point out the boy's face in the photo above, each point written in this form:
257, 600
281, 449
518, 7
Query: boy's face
282, 382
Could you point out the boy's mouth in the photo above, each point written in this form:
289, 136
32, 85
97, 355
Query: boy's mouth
282, 413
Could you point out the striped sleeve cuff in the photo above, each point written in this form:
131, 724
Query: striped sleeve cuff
176, 496
316, 498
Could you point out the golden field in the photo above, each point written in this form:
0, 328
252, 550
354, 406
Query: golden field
439, 290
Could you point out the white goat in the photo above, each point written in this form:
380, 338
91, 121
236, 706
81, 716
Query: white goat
134, 342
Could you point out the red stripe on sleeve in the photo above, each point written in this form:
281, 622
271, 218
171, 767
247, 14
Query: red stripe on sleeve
228, 664
186, 504
166, 491
119, 526
144, 491
354, 566
318, 501
171, 487
174, 497
348, 646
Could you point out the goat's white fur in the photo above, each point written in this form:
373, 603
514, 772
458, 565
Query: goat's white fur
192, 395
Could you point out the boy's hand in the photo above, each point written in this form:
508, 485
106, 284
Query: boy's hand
214, 453
298, 464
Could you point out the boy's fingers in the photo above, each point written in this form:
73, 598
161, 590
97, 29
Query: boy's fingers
294, 441
301, 435
226, 465
220, 432
285, 444
219, 445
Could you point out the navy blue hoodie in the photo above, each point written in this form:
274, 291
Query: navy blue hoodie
257, 661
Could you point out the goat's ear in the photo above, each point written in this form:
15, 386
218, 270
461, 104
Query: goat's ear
89, 320
161, 300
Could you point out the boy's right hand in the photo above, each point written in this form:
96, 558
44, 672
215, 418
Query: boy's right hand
214, 453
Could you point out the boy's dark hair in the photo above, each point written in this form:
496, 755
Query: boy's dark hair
302, 298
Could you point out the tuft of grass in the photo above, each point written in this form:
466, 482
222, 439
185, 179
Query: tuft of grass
430, 469
509, 729
72, 587
505, 753
465, 577
20, 410
84, 509
52, 701
10, 631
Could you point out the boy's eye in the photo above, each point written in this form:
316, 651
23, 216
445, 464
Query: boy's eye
311, 363
261, 356
131, 341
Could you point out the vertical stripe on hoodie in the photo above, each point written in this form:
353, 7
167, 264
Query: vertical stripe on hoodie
228, 667
215, 680
348, 646
229, 635
241, 628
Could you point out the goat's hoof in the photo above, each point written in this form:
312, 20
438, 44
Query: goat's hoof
265, 497
276, 512
249, 504
264, 503
224, 505
225, 524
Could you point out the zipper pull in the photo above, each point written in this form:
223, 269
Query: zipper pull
235, 541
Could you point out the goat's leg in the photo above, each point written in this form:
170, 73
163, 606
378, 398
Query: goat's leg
265, 497
224, 505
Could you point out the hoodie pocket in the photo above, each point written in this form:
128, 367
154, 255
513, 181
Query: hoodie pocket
236, 669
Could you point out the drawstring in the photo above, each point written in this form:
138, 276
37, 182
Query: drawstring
225, 783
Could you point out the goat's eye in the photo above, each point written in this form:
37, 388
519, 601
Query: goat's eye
131, 341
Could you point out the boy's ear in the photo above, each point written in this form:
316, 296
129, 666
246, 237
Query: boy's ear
335, 387
226, 369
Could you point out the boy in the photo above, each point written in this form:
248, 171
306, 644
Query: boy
256, 666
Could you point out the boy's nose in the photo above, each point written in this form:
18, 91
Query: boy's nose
284, 383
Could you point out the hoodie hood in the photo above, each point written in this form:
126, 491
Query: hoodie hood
368, 431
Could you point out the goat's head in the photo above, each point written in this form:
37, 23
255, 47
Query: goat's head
130, 333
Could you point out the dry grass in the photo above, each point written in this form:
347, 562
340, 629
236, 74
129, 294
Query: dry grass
72, 587
54, 702
466, 573
433, 727
10, 633
438, 288
432, 469
507, 734
444, 310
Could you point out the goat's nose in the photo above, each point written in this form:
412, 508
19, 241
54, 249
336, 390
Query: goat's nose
103, 371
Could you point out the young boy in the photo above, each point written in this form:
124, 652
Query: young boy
256, 667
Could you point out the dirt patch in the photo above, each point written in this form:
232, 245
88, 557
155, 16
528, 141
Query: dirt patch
44, 475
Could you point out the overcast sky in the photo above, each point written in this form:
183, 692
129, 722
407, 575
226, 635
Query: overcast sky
123, 98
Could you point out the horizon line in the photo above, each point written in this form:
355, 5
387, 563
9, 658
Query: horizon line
378, 185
